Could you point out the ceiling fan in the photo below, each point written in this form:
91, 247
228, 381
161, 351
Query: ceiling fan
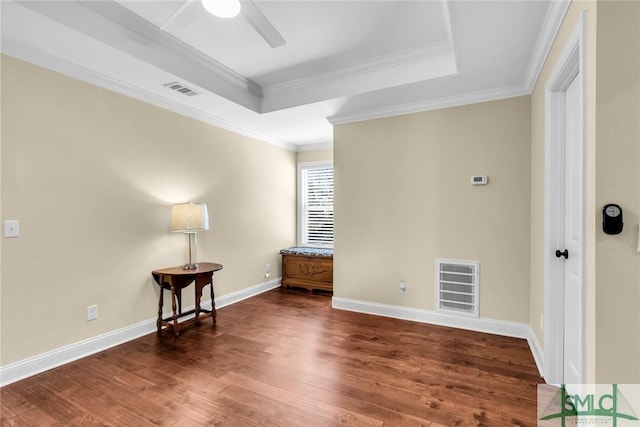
261, 24
247, 8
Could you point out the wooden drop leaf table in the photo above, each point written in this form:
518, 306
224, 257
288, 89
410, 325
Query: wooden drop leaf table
175, 279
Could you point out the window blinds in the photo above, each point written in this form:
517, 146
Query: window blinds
317, 206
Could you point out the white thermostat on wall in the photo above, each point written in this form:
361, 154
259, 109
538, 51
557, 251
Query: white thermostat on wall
479, 180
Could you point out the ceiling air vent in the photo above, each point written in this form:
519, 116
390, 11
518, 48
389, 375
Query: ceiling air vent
182, 89
457, 286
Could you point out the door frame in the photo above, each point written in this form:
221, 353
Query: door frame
570, 65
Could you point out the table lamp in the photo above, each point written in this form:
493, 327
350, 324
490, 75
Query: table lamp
190, 218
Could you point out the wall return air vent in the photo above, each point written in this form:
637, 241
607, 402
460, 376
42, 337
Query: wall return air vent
457, 287
179, 87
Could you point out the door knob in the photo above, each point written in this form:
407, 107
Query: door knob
565, 253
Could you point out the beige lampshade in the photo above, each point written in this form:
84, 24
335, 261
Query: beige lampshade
187, 217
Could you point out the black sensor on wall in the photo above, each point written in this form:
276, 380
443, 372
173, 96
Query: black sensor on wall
612, 219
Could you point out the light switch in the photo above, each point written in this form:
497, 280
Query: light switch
11, 228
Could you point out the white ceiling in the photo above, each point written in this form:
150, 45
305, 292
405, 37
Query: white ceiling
343, 60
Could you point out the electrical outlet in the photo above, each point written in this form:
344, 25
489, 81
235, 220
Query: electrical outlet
92, 312
267, 269
402, 287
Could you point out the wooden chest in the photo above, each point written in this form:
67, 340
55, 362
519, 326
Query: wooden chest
307, 268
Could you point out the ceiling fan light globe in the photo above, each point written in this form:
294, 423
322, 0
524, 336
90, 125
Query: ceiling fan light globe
222, 8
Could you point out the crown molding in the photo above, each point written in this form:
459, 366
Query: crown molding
133, 22
110, 23
392, 60
86, 75
446, 5
211, 75
372, 80
432, 104
555, 16
436, 59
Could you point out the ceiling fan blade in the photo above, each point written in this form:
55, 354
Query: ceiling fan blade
182, 15
261, 24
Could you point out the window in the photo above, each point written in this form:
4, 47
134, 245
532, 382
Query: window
315, 204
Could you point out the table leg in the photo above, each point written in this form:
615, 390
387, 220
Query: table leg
176, 331
198, 294
213, 304
160, 304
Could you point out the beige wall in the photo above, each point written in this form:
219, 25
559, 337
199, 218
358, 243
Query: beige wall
91, 176
403, 199
618, 181
314, 155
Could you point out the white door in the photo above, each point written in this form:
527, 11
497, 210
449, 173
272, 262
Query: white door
573, 231
564, 324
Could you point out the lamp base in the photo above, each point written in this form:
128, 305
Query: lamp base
191, 265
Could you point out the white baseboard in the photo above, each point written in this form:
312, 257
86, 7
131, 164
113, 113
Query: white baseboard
491, 326
51, 359
536, 351
245, 293
43, 362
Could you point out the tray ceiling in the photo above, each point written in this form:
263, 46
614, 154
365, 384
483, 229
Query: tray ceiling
342, 60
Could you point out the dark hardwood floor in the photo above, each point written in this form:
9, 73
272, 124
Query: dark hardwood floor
285, 358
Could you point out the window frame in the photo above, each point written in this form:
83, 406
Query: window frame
299, 193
